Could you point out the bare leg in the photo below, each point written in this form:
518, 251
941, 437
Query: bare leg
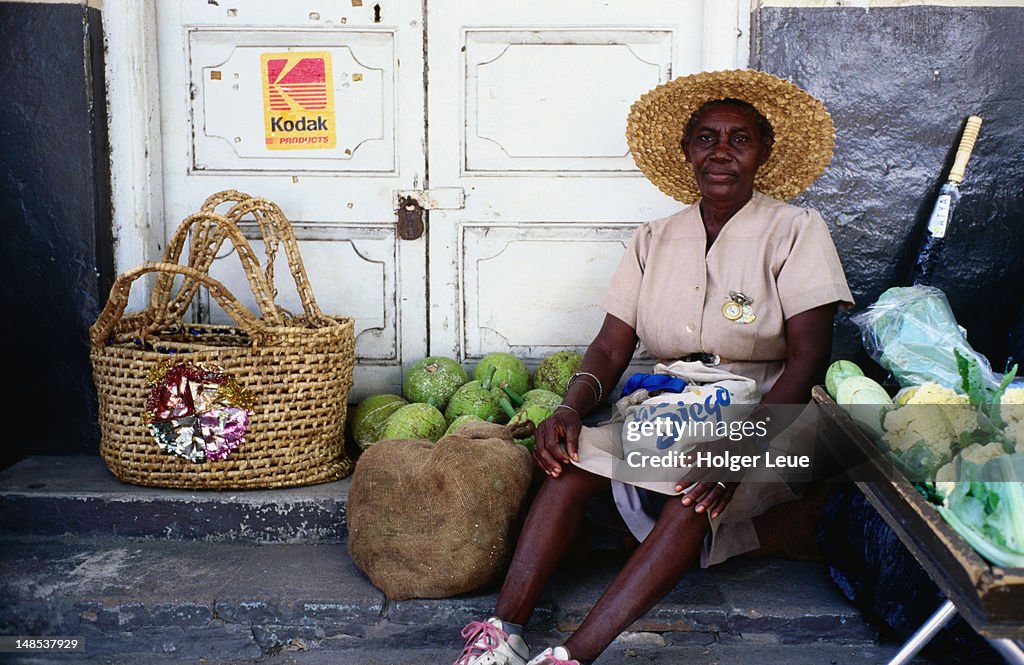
650, 573
553, 519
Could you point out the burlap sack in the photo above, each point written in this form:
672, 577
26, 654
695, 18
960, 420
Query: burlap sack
432, 520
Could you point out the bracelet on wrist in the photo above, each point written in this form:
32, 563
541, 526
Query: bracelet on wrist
598, 390
566, 406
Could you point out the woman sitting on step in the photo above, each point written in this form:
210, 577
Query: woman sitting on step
737, 284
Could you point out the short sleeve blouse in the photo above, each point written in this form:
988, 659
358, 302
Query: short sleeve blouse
672, 293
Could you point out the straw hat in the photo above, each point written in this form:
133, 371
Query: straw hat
804, 135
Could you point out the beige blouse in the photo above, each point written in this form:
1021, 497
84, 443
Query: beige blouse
780, 256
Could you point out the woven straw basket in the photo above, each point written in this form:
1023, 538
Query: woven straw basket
298, 368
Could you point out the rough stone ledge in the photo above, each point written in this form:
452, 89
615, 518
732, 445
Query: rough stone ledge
713, 652
57, 495
196, 598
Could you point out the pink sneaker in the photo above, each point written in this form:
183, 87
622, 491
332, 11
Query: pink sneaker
487, 643
554, 656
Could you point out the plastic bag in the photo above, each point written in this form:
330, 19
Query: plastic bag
911, 331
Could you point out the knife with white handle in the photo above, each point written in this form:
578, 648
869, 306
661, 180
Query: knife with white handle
949, 196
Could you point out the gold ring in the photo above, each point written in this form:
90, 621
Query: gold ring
721, 484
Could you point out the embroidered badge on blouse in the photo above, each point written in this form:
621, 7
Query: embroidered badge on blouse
738, 308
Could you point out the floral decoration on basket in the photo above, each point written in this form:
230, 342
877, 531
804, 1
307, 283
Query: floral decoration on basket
197, 411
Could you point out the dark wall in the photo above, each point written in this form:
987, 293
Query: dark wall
55, 249
900, 82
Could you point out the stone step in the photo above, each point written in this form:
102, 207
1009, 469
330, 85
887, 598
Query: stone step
58, 495
55, 495
239, 601
714, 653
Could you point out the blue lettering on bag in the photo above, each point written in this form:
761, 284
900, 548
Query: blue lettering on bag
669, 437
711, 407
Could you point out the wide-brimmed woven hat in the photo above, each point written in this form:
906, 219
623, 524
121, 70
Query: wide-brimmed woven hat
804, 134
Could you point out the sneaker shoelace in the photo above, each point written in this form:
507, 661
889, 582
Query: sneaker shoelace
552, 659
482, 637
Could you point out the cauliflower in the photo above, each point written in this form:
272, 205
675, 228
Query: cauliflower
933, 393
921, 434
947, 476
904, 427
918, 440
1012, 412
1013, 396
962, 419
979, 454
976, 453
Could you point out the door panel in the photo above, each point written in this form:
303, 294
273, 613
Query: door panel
516, 278
353, 270
525, 97
235, 84
361, 100
535, 95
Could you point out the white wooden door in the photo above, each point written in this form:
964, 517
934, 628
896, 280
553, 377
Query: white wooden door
232, 78
527, 103
529, 190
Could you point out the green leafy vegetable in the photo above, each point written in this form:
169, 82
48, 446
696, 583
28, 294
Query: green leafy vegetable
970, 378
929, 492
919, 461
987, 400
958, 420
987, 508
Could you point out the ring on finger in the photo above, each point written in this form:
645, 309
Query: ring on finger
721, 484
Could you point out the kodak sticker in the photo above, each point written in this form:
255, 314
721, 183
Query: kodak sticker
298, 101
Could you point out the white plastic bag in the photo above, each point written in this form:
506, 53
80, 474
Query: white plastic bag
911, 331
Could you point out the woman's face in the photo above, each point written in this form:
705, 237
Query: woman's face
726, 148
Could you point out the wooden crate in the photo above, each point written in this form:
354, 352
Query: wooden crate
989, 597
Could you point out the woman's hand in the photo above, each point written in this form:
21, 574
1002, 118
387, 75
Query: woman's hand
557, 441
557, 438
709, 496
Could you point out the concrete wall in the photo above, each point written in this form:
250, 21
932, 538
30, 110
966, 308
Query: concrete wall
900, 81
55, 249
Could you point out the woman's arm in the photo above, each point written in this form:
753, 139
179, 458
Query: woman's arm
808, 350
606, 358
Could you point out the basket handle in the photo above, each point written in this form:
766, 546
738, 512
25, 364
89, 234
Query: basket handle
275, 229
214, 200
101, 331
209, 231
235, 197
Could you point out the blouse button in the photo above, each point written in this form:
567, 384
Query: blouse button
690, 327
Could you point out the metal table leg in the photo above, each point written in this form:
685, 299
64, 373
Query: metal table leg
926, 632
1010, 651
